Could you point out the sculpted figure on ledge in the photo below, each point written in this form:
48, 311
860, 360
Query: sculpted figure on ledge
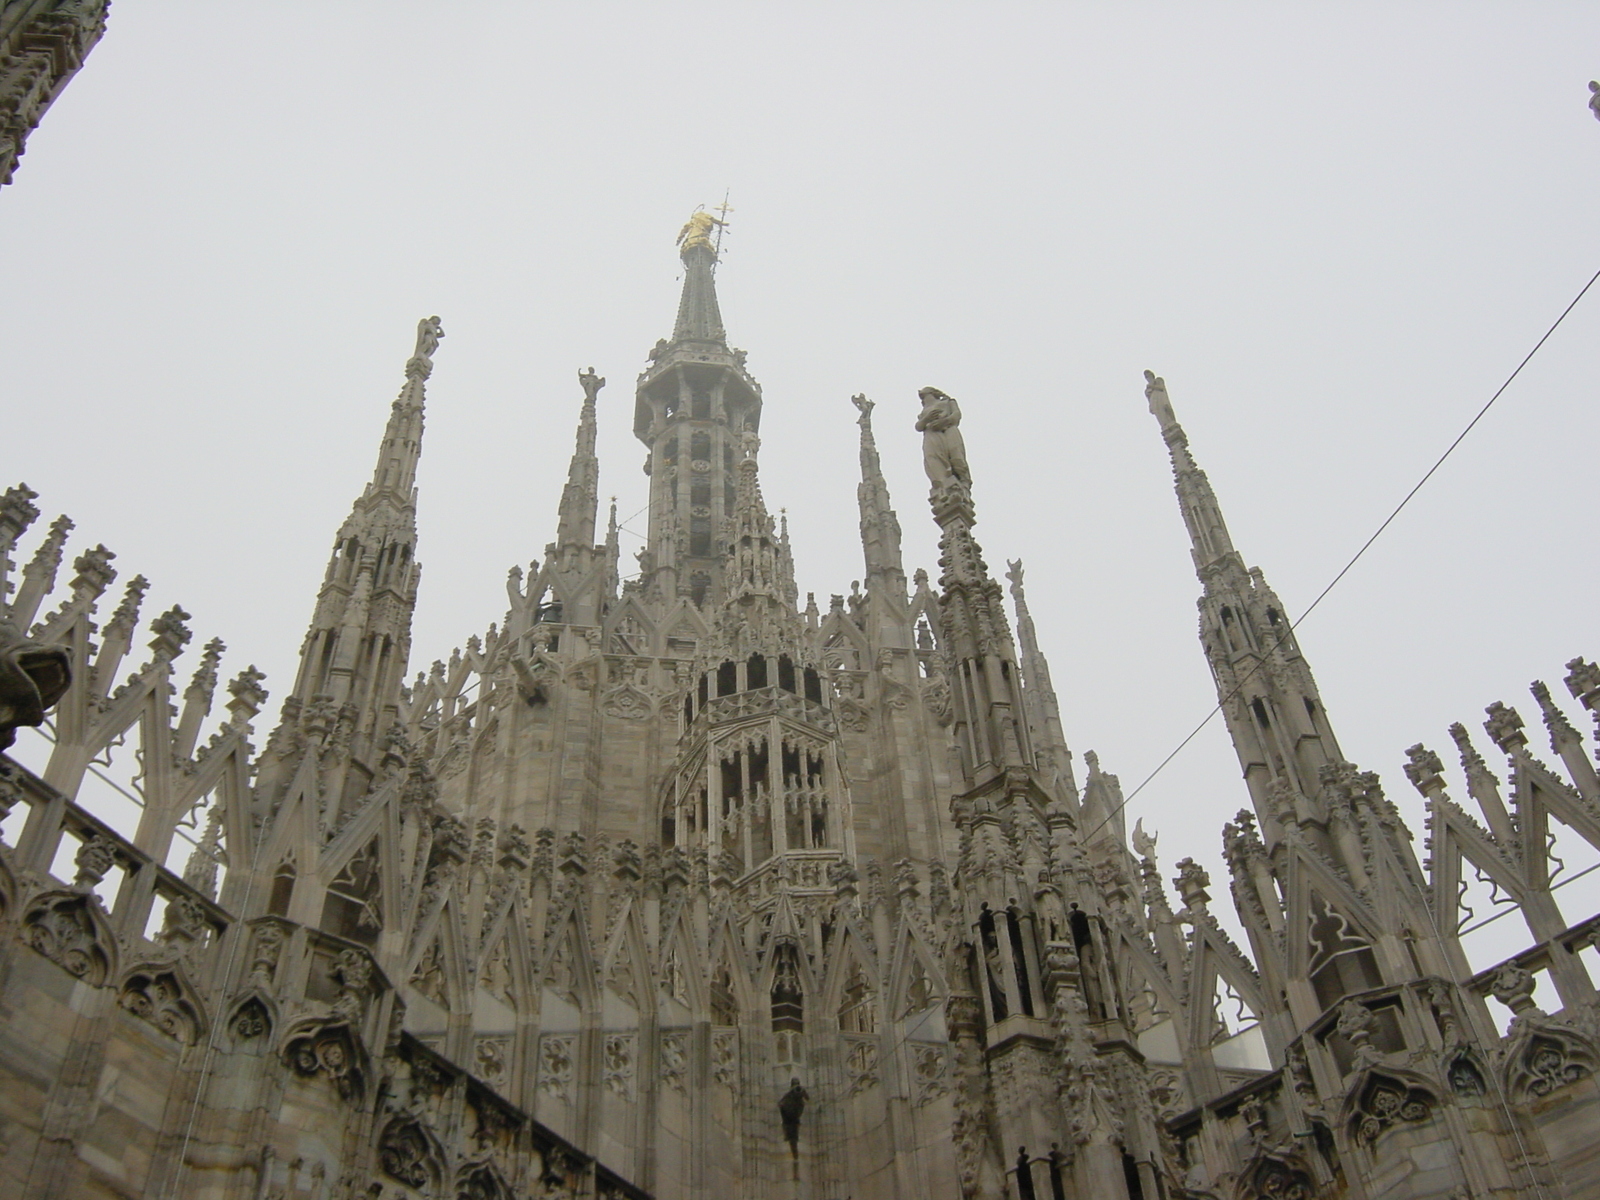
944, 453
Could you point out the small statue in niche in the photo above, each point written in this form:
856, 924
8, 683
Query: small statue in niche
944, 453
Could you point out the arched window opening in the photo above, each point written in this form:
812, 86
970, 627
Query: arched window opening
1260, 710
704, 690
669, 829
700, 405
700, 492
727, 679
1311, 710
786, 672
994, 970
1089, 964
788, 1006
1130, 1175
755, 672
700, 537
282, 889
813, 685
1341, 960
699, 585
353, 906
1273, 618
700, 447
1024, 988
688, 711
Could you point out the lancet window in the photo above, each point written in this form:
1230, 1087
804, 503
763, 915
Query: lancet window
353, 905
282, 889
788, 1006
858, 1003
1342, 960
724, 1000
805, 798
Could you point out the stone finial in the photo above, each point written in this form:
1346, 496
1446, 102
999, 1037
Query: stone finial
1513, 986
17, 513
93, 570
1191, 882
1583, 681
172, 635
1424, 770
1504, 727
1555, 721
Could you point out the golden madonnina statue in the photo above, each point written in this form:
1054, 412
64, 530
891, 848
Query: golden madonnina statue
697, 231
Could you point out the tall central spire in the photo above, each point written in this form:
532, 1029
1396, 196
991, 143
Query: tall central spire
699, 316
695, 402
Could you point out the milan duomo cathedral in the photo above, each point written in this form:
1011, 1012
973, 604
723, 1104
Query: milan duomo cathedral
673, 888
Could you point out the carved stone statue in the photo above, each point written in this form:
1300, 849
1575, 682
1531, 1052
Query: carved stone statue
591, 384
1594, 98
32, 678
429, 331
944, 453
863, 406
696, 231
1155, 392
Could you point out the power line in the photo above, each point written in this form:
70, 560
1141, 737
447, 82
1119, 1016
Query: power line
1345, 570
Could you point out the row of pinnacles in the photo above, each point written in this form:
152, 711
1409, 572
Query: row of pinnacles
670, 886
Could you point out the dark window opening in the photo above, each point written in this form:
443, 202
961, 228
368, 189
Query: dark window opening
1260, 711
727, 679
699, 584
813, 686
669, 831
700, 492
282, 890
688, 709
1024, 989
755, 672
700, 405
351, 908
700, 537
1311, 710
786, 672
705, 681
1130, 1174
993, 966
700, 447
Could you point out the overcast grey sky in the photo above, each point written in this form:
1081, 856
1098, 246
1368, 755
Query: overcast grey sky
1334, 229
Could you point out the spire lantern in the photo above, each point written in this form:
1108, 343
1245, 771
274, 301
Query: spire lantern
694, 403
